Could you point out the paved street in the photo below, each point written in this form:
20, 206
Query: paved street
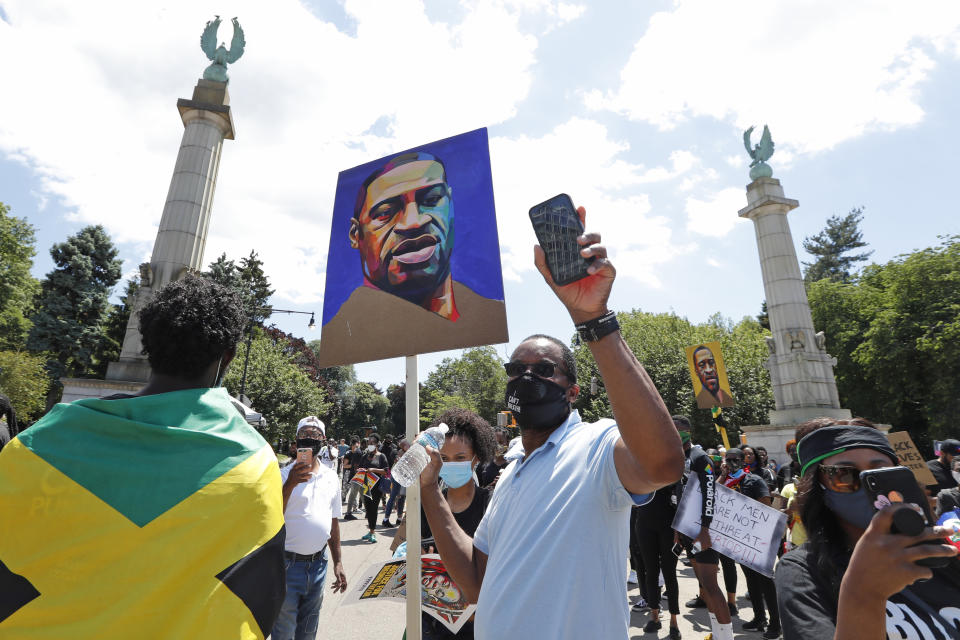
385, 621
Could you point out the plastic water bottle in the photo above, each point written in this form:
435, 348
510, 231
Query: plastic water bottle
407, 469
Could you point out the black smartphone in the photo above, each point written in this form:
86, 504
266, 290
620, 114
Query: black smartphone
558, 226
891, 485
677, 549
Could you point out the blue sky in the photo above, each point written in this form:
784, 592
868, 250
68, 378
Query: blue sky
636, 109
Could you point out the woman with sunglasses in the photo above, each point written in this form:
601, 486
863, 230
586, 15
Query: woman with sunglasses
853, 579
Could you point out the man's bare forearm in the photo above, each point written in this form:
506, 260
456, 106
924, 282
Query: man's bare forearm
334, 541
643, 419
455, 547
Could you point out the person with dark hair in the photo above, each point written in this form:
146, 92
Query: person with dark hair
469, 441
942, 466
375, 462
9, 419
572, 483
854, 578
755, 462
762, 589
786, 473
705, 558
167, 492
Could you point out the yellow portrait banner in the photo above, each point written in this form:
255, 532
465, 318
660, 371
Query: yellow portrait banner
709, 375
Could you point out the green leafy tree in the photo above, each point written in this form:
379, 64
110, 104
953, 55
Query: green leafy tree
17, 287
659, 342
277, 387
364, 407
475, 381
24, 379
248, 279
74, 301
832, 248
895, 335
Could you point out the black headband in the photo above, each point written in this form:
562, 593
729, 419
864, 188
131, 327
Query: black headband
825, 442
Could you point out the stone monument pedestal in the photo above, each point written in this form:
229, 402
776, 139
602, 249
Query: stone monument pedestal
801, 370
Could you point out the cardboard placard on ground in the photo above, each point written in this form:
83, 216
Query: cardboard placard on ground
441, 597
910, 457
743, 529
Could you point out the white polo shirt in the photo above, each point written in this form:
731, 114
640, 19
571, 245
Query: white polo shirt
311, 509
556, 533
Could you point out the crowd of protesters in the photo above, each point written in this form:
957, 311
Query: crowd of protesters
510, 518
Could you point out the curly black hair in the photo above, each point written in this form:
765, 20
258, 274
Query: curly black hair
468, 425
188, 324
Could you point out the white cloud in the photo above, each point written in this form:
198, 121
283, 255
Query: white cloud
579, 158
716, 214
95, 116
818, 72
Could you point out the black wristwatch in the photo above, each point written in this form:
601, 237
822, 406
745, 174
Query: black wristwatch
593, 330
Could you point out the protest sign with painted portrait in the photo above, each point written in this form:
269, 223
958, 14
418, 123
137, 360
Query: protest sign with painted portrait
405, 274
709, 376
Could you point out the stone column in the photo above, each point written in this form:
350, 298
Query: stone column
182, 236
801, 370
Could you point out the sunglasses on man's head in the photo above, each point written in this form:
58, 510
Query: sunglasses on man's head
542, 369
840, 478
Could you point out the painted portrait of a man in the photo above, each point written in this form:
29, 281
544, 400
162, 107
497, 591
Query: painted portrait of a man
403, 229
404, 274
710, 383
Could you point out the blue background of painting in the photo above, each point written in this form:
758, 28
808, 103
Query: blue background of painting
476, 247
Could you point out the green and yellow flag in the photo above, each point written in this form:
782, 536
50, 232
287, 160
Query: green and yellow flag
156, 517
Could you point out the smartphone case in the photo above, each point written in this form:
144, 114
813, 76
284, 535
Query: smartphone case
558, 226
891, 485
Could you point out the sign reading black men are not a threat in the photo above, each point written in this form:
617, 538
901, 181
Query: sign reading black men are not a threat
743, 529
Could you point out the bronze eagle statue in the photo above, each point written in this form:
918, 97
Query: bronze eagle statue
220, 56
759, 153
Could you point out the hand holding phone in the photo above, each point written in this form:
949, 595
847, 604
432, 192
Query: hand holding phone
558, 226
893, 485
305, 455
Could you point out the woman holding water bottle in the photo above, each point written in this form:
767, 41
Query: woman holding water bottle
469, 442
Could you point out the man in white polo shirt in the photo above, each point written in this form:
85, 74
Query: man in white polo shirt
548, 560
311, 506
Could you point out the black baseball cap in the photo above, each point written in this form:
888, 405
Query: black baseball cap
950, 446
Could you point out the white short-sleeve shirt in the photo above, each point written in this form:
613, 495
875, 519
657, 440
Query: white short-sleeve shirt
556, 533
328, 458
311, 509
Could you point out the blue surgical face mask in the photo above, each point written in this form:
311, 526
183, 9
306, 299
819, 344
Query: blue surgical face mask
854, 508
456, 474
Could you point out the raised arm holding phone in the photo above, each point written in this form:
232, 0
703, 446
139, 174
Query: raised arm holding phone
576, 481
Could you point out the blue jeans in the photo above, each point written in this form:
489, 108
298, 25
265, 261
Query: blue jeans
301, 608
394, 494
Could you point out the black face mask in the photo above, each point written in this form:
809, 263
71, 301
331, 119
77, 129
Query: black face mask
316, 445
537, 403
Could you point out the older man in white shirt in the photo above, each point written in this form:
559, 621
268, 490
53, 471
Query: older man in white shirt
311, 506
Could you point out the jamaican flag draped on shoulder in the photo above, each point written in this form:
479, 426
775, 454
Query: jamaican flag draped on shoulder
155, 517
